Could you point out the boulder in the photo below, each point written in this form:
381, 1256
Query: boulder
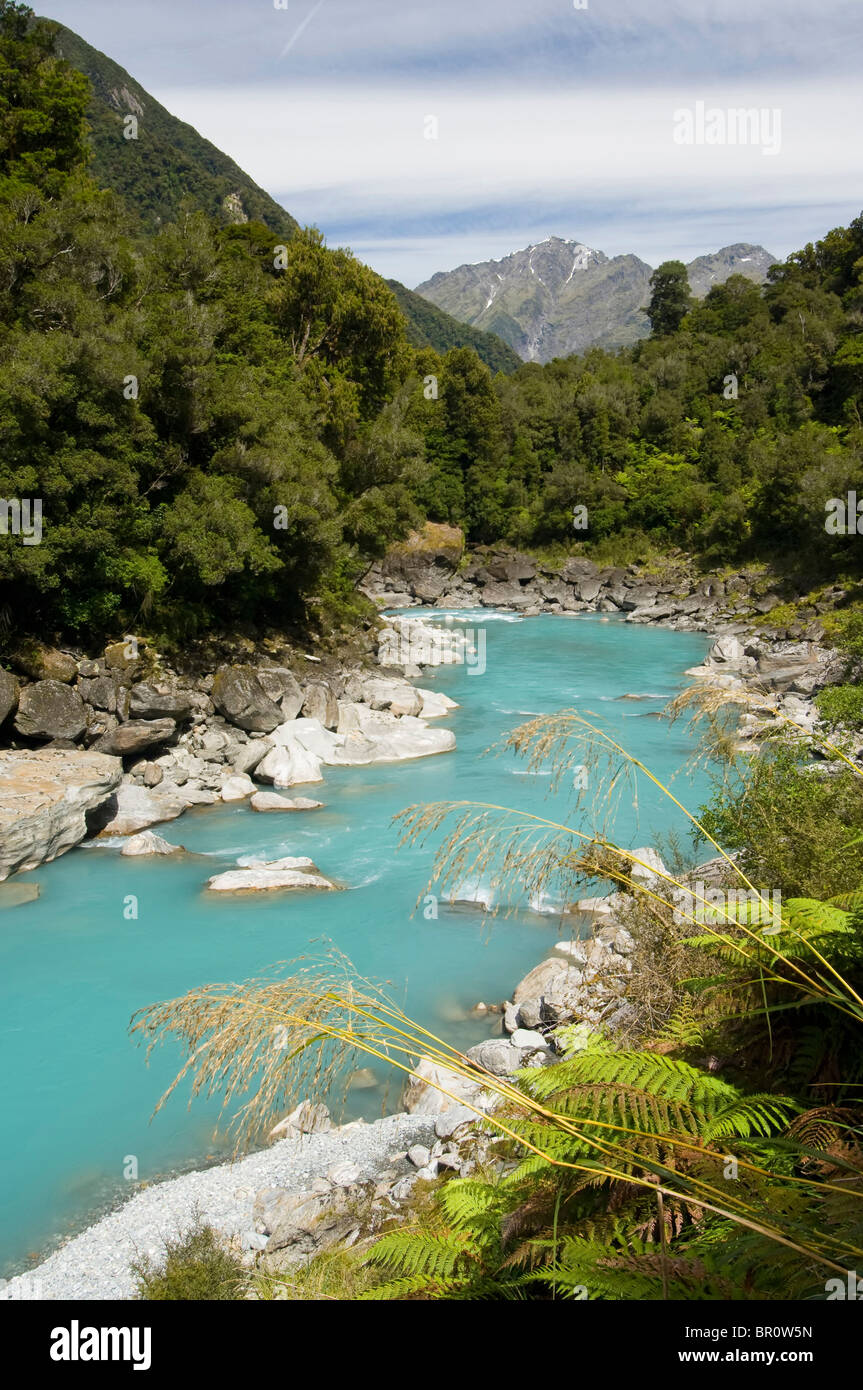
148, 843
132, 808
399, 697
239, 696
245, 757
506, 596
236, 787
434, 1088
282, 687
271, 801
135, 736
42, 663
45, 797
496, 1055
266, 881
435, 705
8, 694
286, 766
307, 1118
549, 992
320, 703
124, 656
157, 702
528, 1040
727, 651
50, 709
100, 692
650, 870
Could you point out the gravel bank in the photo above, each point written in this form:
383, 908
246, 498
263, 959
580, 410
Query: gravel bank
95, 1264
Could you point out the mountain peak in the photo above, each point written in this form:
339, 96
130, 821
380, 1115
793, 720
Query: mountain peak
558, 296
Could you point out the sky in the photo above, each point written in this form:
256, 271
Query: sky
426, 134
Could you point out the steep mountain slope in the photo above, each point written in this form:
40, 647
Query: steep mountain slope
429, 326
169, 161
562, 297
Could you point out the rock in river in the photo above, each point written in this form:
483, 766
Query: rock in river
45, 796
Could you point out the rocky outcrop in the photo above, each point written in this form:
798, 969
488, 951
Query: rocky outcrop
45, 797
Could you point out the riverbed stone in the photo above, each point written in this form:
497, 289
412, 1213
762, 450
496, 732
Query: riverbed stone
135, 736
50, 709
148, 701
271, 801
147, 843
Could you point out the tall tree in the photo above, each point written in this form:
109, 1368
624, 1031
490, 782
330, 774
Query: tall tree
670, 298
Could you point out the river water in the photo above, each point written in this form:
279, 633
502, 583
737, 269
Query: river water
77, 1096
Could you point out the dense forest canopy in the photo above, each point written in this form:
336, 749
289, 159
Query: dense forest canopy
223, 425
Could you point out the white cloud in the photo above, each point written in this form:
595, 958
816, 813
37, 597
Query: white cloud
342, 155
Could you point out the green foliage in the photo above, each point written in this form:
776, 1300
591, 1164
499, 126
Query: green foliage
169, 162
198, 1266
842, 704
431, 327
790, 825
670, 298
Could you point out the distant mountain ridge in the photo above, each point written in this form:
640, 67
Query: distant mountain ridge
561, 297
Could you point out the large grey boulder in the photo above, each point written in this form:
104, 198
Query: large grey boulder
8, 694
135, 736
45, 796
239, 695
159, 702
282, 687
496, 1055
399, 697
50, 709
100, 692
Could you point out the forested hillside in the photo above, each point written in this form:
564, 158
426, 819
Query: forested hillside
220, 429
166, 160
429, 326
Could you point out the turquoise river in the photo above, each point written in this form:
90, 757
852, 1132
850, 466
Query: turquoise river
77, 1096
